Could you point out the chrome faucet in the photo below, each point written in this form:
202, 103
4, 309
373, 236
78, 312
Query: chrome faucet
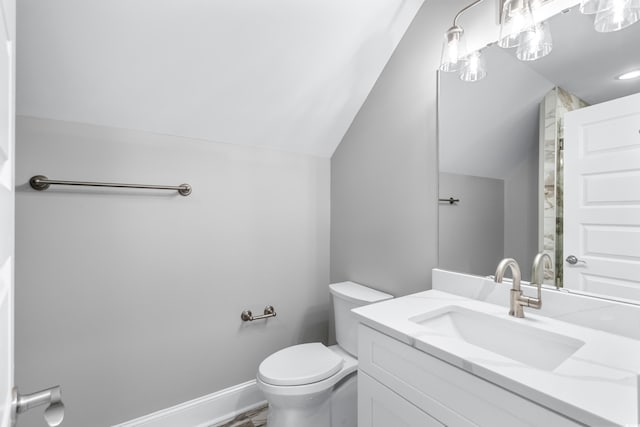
516, 300
537, 274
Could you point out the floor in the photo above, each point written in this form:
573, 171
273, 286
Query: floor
254, 418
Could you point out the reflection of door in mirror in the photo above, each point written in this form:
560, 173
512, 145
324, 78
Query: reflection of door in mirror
602, 214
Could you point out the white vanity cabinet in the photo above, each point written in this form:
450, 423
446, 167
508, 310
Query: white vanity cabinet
378, 406
399, 385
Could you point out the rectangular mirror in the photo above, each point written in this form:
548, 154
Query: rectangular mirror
501, 145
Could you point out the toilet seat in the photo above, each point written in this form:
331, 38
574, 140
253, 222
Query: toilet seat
300, 365
349, 367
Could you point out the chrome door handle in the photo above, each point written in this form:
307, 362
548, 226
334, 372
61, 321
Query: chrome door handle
53, 414
573, 260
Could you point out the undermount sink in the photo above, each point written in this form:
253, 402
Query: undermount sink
504, 336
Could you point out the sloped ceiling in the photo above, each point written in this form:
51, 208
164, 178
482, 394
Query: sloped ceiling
489, 127
586, 63
283, 74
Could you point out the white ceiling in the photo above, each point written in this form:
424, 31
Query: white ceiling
283, 74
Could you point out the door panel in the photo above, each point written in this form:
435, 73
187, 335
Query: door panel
612, 188
602, 198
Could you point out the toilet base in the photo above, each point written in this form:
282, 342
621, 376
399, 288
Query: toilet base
336, 407
344, 403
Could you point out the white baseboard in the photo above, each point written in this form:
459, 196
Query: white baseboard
205, 411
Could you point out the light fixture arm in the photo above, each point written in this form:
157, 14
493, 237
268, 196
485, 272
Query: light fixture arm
455, 20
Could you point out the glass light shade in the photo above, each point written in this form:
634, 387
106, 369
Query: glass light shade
535, 42
609, 4
473, 67
590, 7
516, 17
453, 49
615, 15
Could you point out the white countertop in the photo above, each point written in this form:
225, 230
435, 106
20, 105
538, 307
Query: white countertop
596, 385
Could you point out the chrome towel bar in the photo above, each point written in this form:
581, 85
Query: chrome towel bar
269, 311
41, 182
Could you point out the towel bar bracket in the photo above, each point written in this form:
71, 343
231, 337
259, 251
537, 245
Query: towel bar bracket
37, 182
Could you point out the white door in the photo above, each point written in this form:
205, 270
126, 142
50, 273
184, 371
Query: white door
602, 198
12, 403
7, 203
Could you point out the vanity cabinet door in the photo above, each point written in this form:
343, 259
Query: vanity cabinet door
378, 406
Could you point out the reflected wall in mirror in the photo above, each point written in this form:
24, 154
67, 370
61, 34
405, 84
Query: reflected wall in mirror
501, 140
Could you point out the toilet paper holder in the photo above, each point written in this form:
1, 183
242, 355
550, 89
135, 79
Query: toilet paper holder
269, 311
52, 397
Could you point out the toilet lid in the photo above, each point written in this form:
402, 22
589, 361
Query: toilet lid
300, 364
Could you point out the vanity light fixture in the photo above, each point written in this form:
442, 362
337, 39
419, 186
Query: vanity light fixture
454, 51
516, 17
474, 67
590, 7
614, 15
535, 42
630, 75
519, 29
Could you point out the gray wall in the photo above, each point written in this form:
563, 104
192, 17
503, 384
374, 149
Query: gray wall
521, 211
472, 231
494, 219
384, 173
131, 299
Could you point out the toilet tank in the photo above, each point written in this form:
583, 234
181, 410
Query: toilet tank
348, 295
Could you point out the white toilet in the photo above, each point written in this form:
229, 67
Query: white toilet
312, 385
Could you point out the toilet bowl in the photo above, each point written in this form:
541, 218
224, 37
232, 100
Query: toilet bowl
313, 385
